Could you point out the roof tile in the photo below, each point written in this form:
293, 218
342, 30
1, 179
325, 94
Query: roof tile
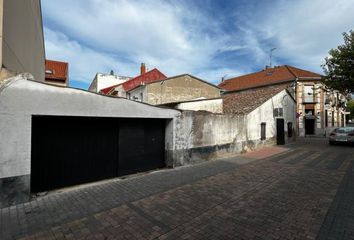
153, 75
244, 102
266, 77
59, 70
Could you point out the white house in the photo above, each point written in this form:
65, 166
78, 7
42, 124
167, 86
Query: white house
270, 112
103, 80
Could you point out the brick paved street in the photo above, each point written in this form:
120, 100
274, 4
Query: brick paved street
290, 195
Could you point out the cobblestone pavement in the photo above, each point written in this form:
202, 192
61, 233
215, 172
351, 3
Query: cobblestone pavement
291, 195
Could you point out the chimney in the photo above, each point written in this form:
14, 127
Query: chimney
142, 68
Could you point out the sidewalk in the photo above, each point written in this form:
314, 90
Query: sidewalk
66, 205
265, 152
272, 193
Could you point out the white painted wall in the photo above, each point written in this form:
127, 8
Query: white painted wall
21, 98
102, 81
264, 113
138, 94
210, 105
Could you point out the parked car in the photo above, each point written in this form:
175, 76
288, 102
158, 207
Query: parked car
342, 135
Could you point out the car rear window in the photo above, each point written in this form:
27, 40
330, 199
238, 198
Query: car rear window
344, 130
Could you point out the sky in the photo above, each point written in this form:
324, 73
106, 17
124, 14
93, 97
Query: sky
208, 39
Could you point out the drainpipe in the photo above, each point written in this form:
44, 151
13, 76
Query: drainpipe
295, 110
162, 82
324, 111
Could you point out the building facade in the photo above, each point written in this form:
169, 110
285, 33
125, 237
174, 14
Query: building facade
318, 110
104, 80
174, 89
57, 73
21, 38
269, 111
145, 77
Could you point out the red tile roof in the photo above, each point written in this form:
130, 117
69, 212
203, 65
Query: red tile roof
269, 76
55, 70
153, 75
244, 102
107, 90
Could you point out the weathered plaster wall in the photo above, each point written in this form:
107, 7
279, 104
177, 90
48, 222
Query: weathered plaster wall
178, 89
210, 105
264, 113
21, 98
139, 94
121, 91
201, 136
22, 37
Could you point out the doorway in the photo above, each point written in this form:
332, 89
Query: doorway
309, 125
280, 131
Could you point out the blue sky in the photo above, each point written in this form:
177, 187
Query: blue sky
208, 39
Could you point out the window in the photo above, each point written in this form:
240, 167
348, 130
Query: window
308, 94
263, 131
49, 71
278, 112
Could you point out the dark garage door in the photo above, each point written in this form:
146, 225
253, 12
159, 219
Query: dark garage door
73, 150
141, 144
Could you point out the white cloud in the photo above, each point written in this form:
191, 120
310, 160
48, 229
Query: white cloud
215, 75
178, 37
167, 36
83, 62
303, 31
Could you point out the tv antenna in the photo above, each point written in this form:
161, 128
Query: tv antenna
223, 78
270, 56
